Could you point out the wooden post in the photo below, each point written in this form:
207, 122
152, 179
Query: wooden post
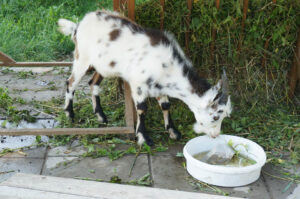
116, 5
131, 7
162, 14
264, 59
188, 22
130, 114
213, 35
245, 9
294, 73
131, 111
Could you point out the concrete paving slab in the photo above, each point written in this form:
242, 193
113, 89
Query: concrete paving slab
174, 149
56, 162
34, 83
100, 168
33, 152
277, 187
295, 194
16, 165
38, 96
63, 151
168, 172
16, 142
255, 190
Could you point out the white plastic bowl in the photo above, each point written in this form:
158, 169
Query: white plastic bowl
222, 175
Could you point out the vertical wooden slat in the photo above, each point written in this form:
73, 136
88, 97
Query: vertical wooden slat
129, 107
188, 21
116, 5
123, 5
131, 7
213, 35
130, 113
245, 9
264, 59
294, 73
162, 14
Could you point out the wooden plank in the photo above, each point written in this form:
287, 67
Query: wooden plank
98, 189
7, 192
5, 58
36, 64
68, 131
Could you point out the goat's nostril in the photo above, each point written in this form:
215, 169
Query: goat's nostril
216, 118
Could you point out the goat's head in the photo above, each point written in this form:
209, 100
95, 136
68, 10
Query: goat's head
215, 107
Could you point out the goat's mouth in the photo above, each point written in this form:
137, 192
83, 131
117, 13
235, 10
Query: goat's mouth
213, 136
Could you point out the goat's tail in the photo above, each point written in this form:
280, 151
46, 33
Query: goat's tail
66, 27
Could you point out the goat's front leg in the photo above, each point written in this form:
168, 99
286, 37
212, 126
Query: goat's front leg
77, 73
139, 98
169, 126
141, 134
95, 89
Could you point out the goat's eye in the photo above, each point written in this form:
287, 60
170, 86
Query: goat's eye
220, 111
216, 118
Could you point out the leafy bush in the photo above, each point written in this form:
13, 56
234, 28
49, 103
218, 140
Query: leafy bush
277, 23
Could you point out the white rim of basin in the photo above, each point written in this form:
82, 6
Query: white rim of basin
260, 161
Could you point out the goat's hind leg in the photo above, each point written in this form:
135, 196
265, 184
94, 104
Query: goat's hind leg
169, 126
78, 72
95, 89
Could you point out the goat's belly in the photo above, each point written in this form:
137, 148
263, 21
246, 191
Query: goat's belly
155, 93
106, 71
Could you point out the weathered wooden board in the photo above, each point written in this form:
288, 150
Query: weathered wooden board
21, 193
68, 131
34, 185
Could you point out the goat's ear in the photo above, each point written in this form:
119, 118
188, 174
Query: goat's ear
224, 96
218, 86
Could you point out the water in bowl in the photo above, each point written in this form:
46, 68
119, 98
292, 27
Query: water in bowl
236, 161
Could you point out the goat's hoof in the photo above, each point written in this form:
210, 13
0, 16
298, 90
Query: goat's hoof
70, 114
149, 142
141, 139
174, 134
102, 118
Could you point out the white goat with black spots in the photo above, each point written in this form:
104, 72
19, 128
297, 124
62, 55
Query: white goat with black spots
151, 62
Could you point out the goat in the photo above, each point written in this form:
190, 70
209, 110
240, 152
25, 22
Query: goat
153, 64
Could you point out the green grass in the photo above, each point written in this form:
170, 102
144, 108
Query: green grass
262, 111
28, 28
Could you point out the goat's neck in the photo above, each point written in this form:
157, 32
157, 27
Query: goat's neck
192, 95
